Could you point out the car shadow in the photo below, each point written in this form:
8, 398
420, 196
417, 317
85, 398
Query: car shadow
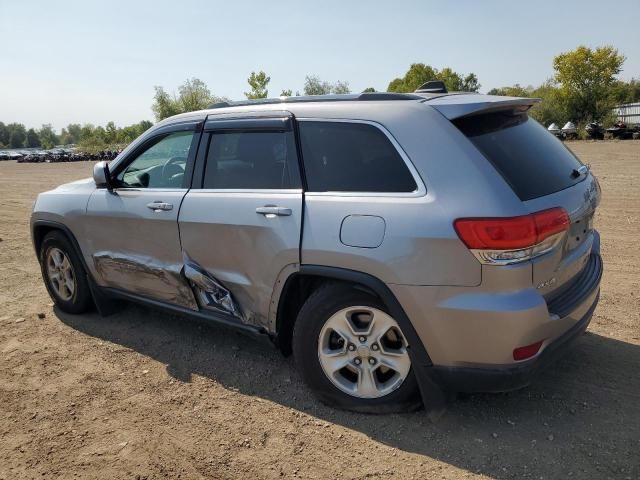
585, 408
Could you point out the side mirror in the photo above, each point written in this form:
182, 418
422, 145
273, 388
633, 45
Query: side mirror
101, 175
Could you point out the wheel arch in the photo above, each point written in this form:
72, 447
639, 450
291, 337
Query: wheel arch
299, 285
40, 228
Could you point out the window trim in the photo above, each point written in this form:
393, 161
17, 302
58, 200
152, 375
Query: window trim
205, 144
148, 142
421, 190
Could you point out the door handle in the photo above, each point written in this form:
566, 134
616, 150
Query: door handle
160, 206
272, 211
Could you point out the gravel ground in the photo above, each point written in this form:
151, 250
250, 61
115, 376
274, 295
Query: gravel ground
142, 394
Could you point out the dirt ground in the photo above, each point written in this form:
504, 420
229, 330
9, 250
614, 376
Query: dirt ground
142, 394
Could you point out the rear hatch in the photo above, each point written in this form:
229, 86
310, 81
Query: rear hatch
544, 174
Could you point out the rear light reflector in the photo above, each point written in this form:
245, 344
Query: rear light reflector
512, 239
522, 353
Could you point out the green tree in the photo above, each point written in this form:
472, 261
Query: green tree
17, 135
514, 91
552, 108
164, 105
286, 93
32, 141
258, 83
587, 81
369, 90
626, 92
192, 95
340, 88
71, 134
48, 137
314, 86
4, 135
420, 73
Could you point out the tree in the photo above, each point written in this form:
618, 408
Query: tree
587, 81
32, 141
258, 83
626, 92
71, 134
48, 137
314, 86
17, 135
419, 73
340, 88
514, 91
369, 90
192, 95
286, 93
4, 135
164, 105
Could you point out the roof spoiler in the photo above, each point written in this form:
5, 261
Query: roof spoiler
457, 106
432, 86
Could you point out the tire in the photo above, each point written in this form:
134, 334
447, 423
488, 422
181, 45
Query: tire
70, 300
320, 311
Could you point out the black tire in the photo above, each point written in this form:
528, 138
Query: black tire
319, 307
81, 300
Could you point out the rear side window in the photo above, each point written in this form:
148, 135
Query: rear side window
352, 157
529, 158
252, 160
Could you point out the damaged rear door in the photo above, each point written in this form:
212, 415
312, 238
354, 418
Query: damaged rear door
132, 230
240, 223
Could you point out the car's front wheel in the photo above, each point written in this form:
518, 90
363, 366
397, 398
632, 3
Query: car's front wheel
63, 274
352, 353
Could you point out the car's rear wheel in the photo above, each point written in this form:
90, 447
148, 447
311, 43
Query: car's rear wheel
64, 275
352, 353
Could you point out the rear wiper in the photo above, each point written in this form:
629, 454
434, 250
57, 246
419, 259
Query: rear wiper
578, 172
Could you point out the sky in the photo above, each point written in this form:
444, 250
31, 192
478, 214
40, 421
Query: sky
92, 62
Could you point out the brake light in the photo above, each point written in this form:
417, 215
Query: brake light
513, 239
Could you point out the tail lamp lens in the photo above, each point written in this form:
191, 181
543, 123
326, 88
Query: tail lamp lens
511, 232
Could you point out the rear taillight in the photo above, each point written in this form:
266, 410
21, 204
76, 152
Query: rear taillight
513, 239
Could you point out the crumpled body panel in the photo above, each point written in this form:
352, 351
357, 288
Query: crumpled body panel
141, 275
211, 294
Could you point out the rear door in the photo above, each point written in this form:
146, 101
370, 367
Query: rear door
240, 224
544, 174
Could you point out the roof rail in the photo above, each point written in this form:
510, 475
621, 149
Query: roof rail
432, 86
320, 98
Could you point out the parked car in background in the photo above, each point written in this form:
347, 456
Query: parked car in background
400, 245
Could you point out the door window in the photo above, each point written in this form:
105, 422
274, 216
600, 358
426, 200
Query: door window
162, 165
251, 160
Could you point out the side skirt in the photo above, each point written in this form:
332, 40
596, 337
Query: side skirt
207, 316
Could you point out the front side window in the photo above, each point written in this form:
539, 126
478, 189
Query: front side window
251, 160
162, 165
352, 157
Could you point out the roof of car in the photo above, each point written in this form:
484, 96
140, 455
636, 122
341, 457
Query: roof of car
369, 96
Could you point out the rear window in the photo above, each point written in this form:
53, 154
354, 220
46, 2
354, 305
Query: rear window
352, 157
529, 158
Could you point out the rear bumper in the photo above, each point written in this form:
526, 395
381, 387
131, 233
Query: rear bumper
578, 302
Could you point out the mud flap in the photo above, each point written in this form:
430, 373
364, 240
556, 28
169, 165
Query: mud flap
105, 305
434, 398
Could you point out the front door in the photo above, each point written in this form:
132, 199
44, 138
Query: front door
240, 223
135, 244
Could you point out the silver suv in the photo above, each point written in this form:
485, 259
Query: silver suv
401, 246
